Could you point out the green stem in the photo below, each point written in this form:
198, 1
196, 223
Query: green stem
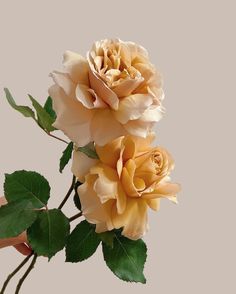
71, 219
68, 193
49, 134
55, 137
14, 273
30, 268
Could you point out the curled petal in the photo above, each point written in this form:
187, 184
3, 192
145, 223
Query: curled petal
119, 164
101, 88
108, 186
127, 179
129, 148
105, 188
88, 97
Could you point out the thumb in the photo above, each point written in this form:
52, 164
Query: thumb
23, 249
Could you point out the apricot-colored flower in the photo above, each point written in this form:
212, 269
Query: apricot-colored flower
129, 177
113, 92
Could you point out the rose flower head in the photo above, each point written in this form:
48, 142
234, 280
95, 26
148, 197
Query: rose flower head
129, 177
112, 92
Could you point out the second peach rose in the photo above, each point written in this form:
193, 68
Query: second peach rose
129, 177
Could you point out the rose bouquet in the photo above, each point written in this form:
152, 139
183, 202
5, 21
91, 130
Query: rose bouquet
106, 104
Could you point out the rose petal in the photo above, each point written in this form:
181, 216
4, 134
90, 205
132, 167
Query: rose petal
101, 227
94, 211
129, 148
76, 127
127, 86
138, 128
164, 190
136, 50
121, 200
154, 204
152, 115
139, 184
104, 127
88, 97
84, 96
133, 220
146, 69
101, 88
132, 107
63, 80
126, 55
110, 153
81, 165
127, 179
119, 164
144, 144
106, 170
105, 188
77, 67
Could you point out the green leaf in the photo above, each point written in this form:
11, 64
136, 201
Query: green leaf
16, 217
44, 118
107, 238
27, 185
49, 232
89, 150
77, 201
126, 259
82, 243
48, 107
25, 110
66, 156
45, 115
76, 196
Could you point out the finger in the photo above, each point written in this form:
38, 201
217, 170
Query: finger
3, 201
23, 249
22, 238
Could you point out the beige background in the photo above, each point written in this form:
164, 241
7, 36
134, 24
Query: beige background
192, 245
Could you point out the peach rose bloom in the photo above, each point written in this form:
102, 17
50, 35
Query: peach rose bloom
115, 91
129, 177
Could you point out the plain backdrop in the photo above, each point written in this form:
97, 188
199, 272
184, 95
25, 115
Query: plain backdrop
191, 246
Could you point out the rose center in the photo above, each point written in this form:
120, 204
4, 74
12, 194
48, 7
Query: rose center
112, 68
157, 161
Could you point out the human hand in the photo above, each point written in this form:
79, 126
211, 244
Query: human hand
18, 242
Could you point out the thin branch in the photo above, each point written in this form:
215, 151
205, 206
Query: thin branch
68, 193
49, 134
15, 272
30, 268
71, 219
55, 137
